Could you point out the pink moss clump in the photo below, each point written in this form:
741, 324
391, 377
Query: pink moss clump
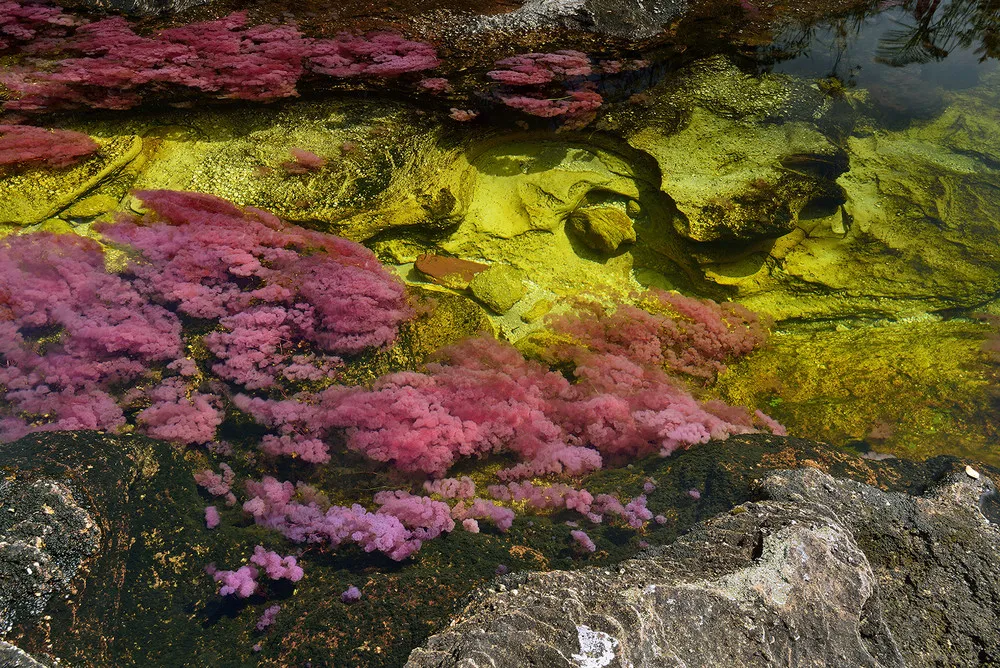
217, 484
451, 488
181, 415
270, 284
303, 162
463, 115
81, 346
435, 85
531, 69
99, 332
483, 397
483, 509
583, 540
268, 617
26, 145
212, 518
549, 85
106, 64
22, 21
273, 505
276, 566
241, 583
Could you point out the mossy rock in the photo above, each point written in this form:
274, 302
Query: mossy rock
499, 287
33, 195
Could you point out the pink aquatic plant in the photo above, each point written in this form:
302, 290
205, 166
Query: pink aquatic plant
99, 333
271, 285
26, 145
241, 583
106, 64
22, 21
583, 540
303, 162
482, 396
549, 85
212, 518
268, 617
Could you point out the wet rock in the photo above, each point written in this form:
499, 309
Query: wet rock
602, 229
499, 287
45, 536
90, 207
13, 657
537, 311
36, 194
934, 558
730, 179
452, 272
631, 19
121, 514
828, 571
776, 580
139, 7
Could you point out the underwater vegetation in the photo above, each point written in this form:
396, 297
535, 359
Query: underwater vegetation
219, 313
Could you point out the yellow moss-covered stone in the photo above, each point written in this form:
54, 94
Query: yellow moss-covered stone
34, 195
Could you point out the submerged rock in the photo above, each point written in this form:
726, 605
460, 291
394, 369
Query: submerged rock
826, 571
45, 536
603, 229
452, 272
499, 287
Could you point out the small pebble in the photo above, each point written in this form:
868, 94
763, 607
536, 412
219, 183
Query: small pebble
972, 473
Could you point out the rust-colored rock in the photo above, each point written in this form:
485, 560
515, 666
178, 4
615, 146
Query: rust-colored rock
451, 272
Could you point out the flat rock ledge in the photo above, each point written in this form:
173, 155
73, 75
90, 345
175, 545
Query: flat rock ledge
821, 572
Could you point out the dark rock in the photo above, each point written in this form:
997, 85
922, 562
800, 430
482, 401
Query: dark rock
827, 572
631, 19
123, 515
45, 535
603, 228
140, 7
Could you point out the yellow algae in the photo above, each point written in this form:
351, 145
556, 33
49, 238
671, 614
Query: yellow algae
913, 389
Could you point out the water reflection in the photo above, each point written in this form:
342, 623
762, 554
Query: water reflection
945, 40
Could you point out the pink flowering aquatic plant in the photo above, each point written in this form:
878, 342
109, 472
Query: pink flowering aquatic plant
82, 346
106, 64
30, 146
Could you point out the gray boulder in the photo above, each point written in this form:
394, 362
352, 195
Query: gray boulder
823, 573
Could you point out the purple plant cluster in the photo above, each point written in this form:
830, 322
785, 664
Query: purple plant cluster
287, 303
267, 617
483, 397
289, 300
243, 582
28, 146
23, 21
70, 333
106, 64
583, 540
559, 496
549, 85
275, 308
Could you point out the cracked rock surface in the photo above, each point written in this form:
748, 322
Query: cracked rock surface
823, 572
